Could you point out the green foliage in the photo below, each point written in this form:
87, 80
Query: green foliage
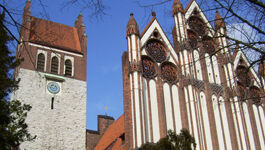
13, 129
182, 141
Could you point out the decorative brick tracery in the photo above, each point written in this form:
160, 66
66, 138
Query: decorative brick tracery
148, 67
243, 76
197, 25
255, 95
192, 38
208, 45
169, 72
156, 50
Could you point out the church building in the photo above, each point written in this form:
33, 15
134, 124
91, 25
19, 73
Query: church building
193, 82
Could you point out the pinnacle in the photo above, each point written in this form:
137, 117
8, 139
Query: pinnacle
132, 26
177, 7
219, 21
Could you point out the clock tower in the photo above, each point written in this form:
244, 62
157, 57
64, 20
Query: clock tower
53, 81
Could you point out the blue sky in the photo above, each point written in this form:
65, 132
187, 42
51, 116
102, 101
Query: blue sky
106, 43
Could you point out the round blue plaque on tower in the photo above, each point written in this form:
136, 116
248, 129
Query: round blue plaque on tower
53, 87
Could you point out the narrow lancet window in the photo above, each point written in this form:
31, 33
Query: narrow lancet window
40, 62
68, 68
54, 65
52, 101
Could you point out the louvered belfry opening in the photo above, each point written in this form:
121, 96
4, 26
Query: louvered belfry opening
54, 65
68, 68
40, 62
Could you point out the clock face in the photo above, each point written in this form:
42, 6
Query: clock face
53, 87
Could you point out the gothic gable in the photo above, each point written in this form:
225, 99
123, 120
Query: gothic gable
193, 11
153, 37
241, 61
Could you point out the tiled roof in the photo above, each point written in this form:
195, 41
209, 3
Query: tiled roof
112, 136
55, 35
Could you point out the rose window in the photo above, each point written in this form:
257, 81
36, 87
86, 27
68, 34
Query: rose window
242, 75
169, 72
156, 50
197, 25
208, 45
192, 38
148, 67
254, 95
242, 91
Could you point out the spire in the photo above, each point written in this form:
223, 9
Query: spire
219, 21
132, 26
177, 7
27, 6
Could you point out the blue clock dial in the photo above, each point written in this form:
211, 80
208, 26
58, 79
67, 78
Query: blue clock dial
53, 87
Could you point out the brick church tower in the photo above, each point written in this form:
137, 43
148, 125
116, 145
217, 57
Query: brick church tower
53, 82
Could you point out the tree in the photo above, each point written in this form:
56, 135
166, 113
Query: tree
173, 141
13, 129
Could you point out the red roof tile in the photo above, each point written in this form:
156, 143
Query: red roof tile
111, 136
55, 35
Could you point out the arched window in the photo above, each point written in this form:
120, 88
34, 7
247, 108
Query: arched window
243, 75
68, 68
208, 45
148, 67
169, 72
54, 65
255, 95
156, 50
192, 38
40, 62
197, 25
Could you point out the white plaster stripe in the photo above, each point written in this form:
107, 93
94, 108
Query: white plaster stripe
182, 63
132, 106
142, 107
168, 107
227, 77
218, 123
249, 127
194, 121
209, 68
177, 27
240, 123
198, 65
257, 120
236, 125
137, 110
176, 105
133, 38
146, 112
225, 123
216, 70
154, 110
261, 113
181, 27
188, 108
206, 122
55, 49
231, 74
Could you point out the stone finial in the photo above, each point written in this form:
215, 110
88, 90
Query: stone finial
219, 21
153, 14
177, 7
132, 26
27, 6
